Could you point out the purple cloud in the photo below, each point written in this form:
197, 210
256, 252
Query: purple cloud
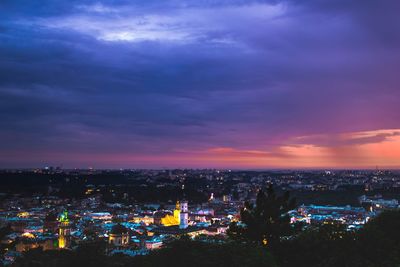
156, 77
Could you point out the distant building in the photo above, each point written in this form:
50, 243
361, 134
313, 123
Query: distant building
377, 202
323, 214
184, 215
159, 215
153, 244
179, 217
29, 241
177, 231
174, 219
119, 236
64, 231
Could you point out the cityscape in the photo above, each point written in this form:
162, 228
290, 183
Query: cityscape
228, 133
136, 212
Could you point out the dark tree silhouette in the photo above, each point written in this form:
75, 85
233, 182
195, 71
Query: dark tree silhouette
267, 221
377, 244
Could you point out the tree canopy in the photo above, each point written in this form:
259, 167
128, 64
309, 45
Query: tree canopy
267, 221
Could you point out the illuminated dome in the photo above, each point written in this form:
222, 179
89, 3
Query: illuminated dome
28, 235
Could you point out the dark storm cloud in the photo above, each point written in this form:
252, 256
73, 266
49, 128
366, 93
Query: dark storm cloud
162, 76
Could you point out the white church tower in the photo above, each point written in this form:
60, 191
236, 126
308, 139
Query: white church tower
184, 215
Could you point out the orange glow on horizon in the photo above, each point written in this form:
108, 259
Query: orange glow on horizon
366, 149
347, 150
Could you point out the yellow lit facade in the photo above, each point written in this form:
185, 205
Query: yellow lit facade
119, 236
119, 239
146, 220
28, 235
62, 242
64, 231
23, 214
170, 220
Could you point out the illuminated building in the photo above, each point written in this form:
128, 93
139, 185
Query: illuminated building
184, 215
179, 217
64, 230
159, 215
176, 231
29, 241
104, 216
119, 236
377, 202
153, 244
170, 220
318, 214
143, 219
23, 214
226, 198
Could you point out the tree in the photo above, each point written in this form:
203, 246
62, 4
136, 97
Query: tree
322, 245
195, 253
379, 241
377, 244
267, 221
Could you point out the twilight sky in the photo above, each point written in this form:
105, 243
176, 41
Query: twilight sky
200, 83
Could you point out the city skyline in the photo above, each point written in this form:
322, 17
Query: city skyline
200, 84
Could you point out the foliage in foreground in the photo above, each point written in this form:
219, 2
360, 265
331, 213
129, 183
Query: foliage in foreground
179, 253
376, 245
193, 253
266, 222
